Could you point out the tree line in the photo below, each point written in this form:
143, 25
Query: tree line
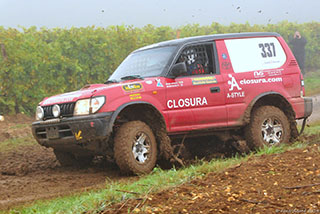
36, 63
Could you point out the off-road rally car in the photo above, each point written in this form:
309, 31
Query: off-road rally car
244, 86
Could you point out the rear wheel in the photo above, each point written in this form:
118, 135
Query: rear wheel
135, 148
269, 126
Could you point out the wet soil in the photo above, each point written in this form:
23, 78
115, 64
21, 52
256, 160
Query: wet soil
280, 183
30, 172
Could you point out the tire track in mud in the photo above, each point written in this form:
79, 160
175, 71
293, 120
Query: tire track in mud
29, 172
32, 172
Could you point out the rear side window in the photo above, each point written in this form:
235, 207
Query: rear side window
254, 54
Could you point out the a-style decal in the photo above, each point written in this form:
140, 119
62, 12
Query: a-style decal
233, 83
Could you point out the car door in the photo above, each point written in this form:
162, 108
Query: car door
197, 100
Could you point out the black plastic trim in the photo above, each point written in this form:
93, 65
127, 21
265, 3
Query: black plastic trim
308, 106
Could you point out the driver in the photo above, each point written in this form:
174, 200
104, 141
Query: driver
190, 56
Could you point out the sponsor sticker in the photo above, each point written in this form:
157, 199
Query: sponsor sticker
78, 135
261, 81
275, 72
187, 102
261, 74
133, 87
204, 80
224, 56
233, 95
135, 96
226, 65
233, 83
149, 82
159, 84
258, 74
174, 84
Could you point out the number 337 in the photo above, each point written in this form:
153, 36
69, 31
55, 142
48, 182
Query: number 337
268, 49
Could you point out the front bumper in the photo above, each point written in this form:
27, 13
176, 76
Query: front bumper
79, 130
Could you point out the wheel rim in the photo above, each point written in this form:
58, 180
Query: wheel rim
141, 147
272, 131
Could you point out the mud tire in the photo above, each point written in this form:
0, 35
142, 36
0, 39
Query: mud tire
254, 132
68, 159
125, 139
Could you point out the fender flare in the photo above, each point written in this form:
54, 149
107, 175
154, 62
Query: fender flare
247, 113
123, 106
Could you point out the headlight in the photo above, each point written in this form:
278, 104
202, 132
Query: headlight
39, 113
56, 110
97, 103
89, 106
82, 107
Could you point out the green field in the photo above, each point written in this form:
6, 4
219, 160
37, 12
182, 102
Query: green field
312, 83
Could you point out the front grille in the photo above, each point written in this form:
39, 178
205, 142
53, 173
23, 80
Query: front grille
65, 108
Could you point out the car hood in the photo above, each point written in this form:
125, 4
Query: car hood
86, 92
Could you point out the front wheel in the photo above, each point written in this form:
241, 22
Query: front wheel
135, 148
269, 126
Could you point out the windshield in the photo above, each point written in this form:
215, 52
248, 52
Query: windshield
146, 63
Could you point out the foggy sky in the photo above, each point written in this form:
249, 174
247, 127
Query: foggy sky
82, 13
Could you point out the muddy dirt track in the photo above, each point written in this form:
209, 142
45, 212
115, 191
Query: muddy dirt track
33, 173
30, 172
280, 183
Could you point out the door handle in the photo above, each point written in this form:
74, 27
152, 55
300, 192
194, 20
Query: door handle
215, 90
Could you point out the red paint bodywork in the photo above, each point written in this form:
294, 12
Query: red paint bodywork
218, 111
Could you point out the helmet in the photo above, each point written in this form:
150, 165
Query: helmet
189, 56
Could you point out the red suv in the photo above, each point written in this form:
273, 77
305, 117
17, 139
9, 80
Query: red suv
235, 86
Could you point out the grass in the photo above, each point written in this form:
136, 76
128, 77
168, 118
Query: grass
13, 143
116, 191
312, 83
313, 129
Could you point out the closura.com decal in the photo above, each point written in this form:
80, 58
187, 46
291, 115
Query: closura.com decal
259, 81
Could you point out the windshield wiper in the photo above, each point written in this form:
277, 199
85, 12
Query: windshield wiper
111, 81
131, 77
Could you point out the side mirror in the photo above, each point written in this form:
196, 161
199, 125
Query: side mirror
178, 69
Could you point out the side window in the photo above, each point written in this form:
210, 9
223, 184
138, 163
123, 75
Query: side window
198, 59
